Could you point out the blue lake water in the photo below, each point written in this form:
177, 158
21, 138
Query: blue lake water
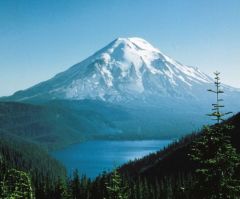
94, 157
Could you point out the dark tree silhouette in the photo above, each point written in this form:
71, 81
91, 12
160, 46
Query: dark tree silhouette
217, 114
216, 158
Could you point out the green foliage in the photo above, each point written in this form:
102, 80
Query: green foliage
16, 185
217, 114
48, 127
217, 162
75, 185
167, 174
116, 188
79, 187
28, 158
61, 189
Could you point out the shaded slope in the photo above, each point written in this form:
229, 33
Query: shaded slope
174, 159
24, 156
59, 123
54, 124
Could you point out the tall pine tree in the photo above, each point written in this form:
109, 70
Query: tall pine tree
215, 157
116, 188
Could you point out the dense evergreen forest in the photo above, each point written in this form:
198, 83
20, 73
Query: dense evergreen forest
203, 165
166, 174
43, 171
48, 127
59, 123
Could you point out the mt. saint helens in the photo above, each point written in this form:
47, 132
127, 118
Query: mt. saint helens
158, 95
126, 69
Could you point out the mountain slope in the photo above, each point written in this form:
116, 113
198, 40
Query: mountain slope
57, 124
162, 97
17, 153
174, 158
167, 173
126, 69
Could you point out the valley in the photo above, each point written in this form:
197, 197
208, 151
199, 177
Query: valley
92, 158
119, 99
128, 90
128, 112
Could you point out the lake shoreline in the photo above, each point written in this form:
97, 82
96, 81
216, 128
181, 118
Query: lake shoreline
92, 157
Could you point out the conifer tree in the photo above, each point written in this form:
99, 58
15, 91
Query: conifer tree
215, 157
16, 184
116, 189
217, 114
75, 185
2, 169
61, 189
84, 190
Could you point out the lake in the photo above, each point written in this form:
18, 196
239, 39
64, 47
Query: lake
94, 157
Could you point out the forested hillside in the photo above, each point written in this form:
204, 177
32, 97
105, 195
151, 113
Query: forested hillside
49, 128
175, 158
167, 174
56, 124
43, 171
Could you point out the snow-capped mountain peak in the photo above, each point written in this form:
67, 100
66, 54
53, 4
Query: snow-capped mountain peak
138, 43
141, 53
126, 69
145, 92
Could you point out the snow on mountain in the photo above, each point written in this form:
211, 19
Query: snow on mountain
131, 89
131, 67
127, 69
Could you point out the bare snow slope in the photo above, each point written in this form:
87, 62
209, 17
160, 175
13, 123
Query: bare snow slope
125, 70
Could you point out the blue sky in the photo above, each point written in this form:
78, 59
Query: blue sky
41, 38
